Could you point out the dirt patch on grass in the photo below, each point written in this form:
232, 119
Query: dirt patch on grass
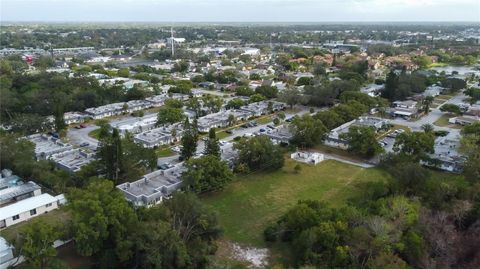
255, 258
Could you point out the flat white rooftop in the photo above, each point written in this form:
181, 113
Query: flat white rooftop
26, 205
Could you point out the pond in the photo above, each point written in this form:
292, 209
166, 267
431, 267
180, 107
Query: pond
462, 70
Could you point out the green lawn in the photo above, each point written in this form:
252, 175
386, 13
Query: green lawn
264, 119
58, 216
95, 134
250, 203
164, 151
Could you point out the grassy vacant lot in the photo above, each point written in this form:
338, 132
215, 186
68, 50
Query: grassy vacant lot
164, 151
443, 120
250, 203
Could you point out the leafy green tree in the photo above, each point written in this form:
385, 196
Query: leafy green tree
235, 103
244, 91
451, 108
257, 98
304, 81
194, 105
470, 147
35, 244
213, 103
329, 118
211, 145
427, 102
26, 124
159, 246
188, 141
206, 174
307, 131
454, 84
319, 70
123, 72
387, 261
180, 66
268, 91
428, 128
417, 145
59, 119
291, 97
259, 153
110, 153
173, 103
17, 154
391, 84
102, 221
168, 115
362, 141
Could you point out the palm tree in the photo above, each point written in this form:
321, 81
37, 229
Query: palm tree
427, 128
426, 104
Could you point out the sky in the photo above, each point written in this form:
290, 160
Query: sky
239, 10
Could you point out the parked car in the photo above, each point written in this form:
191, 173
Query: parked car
83, 125
163, 166
271, 127
262, 130
78, 127
229, 131
84, 144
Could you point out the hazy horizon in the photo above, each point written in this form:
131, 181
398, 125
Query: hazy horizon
240, 11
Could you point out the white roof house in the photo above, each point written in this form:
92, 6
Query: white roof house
27, 209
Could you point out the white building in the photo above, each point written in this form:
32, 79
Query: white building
152, 188
307, 157
28, 208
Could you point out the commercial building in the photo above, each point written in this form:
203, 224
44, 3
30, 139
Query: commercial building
159, 136
334, 137
406, 109
157, 100
152, 188
46, 146
117, 108
74, 117
72, 160
143, 124
280, 135
447, 156
221, 119
262, 108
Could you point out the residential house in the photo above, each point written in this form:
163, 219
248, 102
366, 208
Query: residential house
152, 188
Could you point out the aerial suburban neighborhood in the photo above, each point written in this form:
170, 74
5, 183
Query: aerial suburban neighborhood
240, 145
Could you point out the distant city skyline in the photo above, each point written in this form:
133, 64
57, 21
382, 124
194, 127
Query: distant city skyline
239, 10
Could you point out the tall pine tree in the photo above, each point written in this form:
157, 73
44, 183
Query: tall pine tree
211, 145
189, 140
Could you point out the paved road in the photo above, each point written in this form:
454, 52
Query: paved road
236, 132
79, 136
432, 117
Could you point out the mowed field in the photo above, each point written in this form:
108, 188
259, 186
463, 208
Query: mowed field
250, 203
